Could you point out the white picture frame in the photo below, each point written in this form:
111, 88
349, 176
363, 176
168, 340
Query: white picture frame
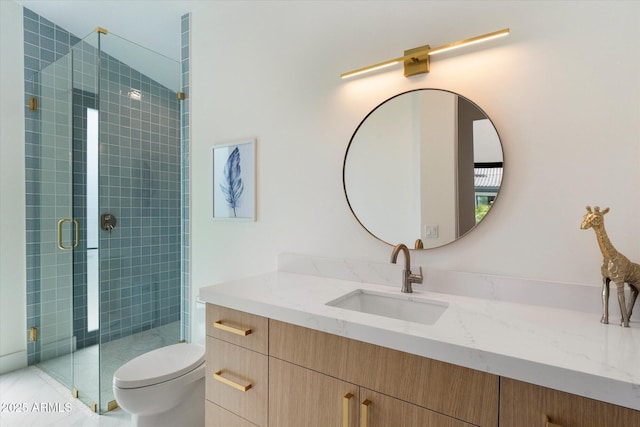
234, 181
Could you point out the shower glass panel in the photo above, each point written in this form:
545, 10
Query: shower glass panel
139, 186
86, 357
109, 144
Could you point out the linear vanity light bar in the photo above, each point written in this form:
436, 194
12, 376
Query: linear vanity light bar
374, 67
470, 41
416, 61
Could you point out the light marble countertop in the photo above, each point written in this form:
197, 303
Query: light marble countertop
567, 350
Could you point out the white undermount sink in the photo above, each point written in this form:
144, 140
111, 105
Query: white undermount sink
402, 306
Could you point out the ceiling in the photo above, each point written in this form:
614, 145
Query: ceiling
154, 24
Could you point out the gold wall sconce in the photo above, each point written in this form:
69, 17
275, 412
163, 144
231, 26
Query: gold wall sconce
416, 60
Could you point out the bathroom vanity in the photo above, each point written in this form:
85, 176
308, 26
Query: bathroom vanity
283, 351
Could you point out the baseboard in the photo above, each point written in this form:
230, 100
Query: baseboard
13, 361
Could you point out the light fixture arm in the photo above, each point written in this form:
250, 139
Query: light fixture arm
416, 60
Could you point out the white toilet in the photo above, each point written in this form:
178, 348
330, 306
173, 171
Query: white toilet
165, 387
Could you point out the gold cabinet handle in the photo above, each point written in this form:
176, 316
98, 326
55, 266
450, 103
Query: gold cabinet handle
548, 422
238, 331
345, 409
218, 376
364, 413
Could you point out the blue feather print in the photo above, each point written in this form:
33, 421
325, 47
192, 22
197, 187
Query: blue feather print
232, 187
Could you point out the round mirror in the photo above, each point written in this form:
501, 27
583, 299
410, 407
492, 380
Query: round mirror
423, 168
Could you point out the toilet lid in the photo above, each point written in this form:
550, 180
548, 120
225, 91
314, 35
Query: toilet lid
160, 365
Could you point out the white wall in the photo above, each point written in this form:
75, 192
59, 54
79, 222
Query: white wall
563, 91
12, 203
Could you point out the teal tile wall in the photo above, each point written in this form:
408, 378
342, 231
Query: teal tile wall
140, 185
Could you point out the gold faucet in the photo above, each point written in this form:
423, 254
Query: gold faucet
407, 277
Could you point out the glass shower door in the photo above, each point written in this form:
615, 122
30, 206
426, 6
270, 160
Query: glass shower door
57, 229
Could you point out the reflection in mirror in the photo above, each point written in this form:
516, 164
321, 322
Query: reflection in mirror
423, 165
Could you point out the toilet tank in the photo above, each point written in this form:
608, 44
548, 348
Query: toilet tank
199, 323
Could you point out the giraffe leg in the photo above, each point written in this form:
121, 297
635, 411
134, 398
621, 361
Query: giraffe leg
605, 300
623, 305
632, 300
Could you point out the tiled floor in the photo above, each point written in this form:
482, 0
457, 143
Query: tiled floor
31, 398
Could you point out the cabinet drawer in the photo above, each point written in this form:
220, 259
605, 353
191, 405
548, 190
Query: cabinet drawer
237, 380
237, 327
527, 405
452, 390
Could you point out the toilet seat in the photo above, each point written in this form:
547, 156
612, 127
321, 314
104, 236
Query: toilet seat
160, 365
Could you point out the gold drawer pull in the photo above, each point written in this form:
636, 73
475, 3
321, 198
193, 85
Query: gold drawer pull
548, 422
218, 376
345, 409
364, 416
238, 331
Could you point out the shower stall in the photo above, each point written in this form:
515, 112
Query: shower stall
104, 216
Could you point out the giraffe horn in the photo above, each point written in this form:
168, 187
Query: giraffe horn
589, 209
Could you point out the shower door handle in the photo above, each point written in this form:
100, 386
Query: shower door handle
77, 234
76, 243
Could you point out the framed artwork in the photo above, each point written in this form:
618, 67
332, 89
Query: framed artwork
234, 181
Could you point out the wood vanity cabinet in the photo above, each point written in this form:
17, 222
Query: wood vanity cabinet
528, 405
300, 377
392, 388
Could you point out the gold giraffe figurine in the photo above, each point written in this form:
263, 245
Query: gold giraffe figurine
615, 267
